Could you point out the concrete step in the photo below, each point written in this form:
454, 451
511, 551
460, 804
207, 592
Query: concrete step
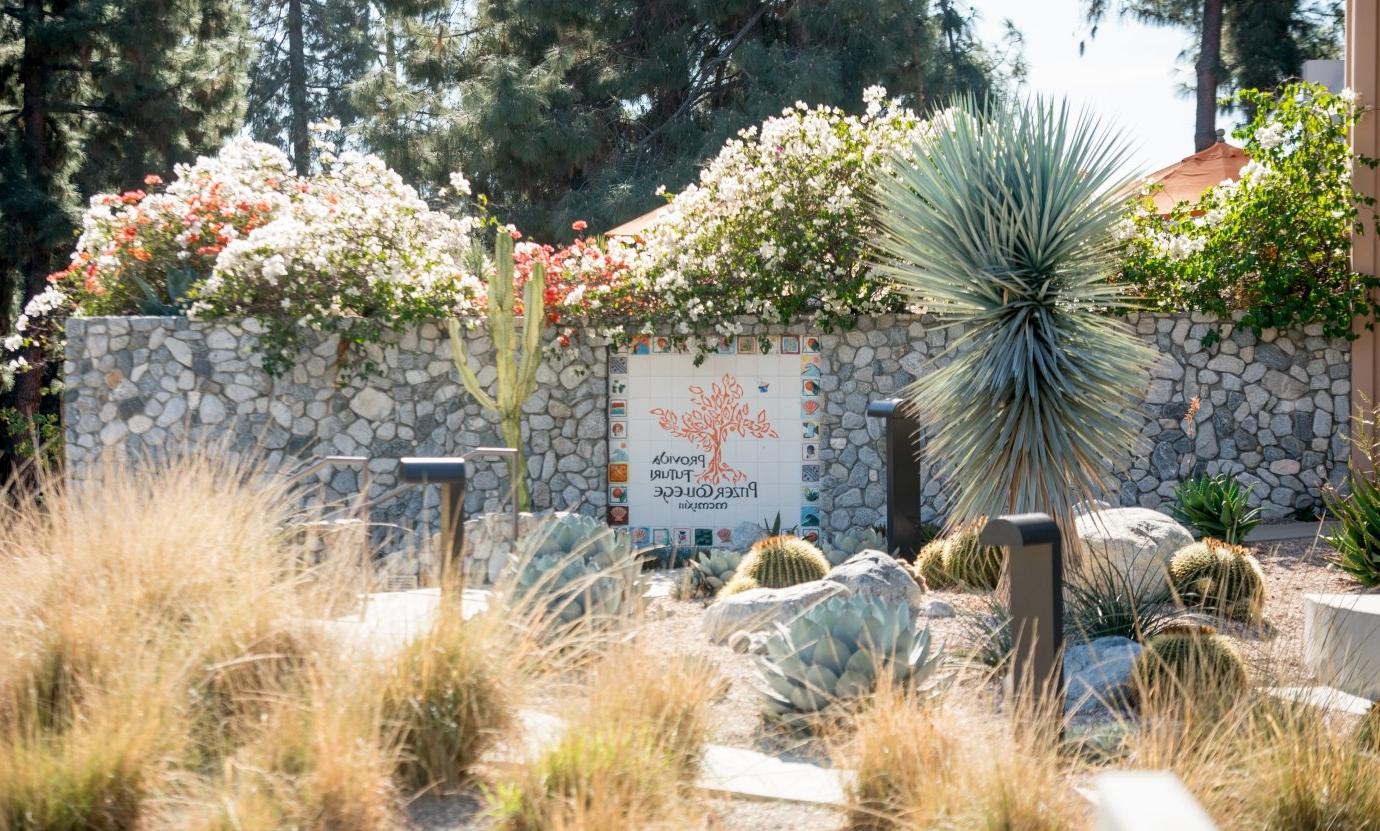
1341, 642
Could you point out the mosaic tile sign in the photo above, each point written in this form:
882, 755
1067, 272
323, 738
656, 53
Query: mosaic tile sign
696, 451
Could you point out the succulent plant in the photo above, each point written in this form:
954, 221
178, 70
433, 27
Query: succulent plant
852, 542
839, 650
1182, 662
712, 570
972, 565
778, 562
1215, 506
740, 583
1221, 578
577, 568
928, 568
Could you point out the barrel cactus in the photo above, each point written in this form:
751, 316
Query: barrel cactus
740, 583
1221, 578
928, 569
778, 562
712, 570
973, 565
1190, 663
576, 568
838, 651
852, 542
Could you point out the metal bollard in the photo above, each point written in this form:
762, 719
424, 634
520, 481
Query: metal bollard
904, 534
1035, 569
449, 473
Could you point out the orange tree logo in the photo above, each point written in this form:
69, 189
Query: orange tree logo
717, 414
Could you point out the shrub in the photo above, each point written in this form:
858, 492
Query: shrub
778, 562
1190, 666
928, 568
839, 650
1215, 506
1221, 578
445, 703
970, 564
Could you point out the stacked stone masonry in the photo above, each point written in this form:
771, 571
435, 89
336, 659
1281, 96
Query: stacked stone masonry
1272, 410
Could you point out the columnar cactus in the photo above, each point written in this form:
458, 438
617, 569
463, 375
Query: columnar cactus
778, 562
515, 359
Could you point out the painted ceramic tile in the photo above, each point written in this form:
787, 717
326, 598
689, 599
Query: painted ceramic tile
809, 517
621, 349
618, 386
685, 537
725, 345
618, 429
809, 429
809, 386
809, 495
641, 536
809, 451
618, 365
618, 408
618, 473
809, 473
810, 535
790, 344
661, 345
747, 345
810, 344
724, 535
618, 495
809, 366
618, 515
661, 536
704, 537
642, 344
809, 407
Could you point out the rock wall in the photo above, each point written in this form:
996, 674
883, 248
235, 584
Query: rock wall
1271, 409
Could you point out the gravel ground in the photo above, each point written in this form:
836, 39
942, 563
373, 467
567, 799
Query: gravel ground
1292, 569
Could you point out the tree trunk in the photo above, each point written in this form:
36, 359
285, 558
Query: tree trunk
297, 90
1208, 68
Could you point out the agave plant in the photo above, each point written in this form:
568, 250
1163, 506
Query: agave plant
846, 544
1217, 507
712, 570
576, 569
840, 650
1357, 538
1002, 230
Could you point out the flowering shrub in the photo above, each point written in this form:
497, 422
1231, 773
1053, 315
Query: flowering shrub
778, 223
1274, 245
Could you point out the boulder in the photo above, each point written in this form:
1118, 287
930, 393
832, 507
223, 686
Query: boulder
1098, 673
1137, 542
757, 609
878, 575
937, 609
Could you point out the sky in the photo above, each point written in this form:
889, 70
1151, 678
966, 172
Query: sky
1129, 74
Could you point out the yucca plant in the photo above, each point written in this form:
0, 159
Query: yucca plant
1000, 226
1215, 506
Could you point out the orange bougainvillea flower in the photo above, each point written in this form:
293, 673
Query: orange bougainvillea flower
153, 179
140, 254
579, 225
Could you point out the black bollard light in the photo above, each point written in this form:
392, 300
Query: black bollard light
449, 473
904, 533
1035, 570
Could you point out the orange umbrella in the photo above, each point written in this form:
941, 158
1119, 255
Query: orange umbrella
1187, 179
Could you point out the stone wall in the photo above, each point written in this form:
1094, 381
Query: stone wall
1271, 410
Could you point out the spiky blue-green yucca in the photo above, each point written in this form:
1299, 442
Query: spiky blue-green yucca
1002, 230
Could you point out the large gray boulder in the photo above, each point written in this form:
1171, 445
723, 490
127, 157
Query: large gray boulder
1097, 674
758, 609
877, 574
1136, 542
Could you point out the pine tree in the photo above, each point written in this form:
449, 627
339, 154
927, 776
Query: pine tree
96, 94
310, 54
566, 109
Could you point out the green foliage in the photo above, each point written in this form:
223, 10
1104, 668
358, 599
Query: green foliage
1215, 506
987, 634
516, 358
1273, 248
521, 92
1190, 665
778, 562
1002, 230
444, 703
969, 564
1221, 578
846, 544
929, 566
576, 571
841, 650
172, 299
1357, 512
714, 569
1104, 599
